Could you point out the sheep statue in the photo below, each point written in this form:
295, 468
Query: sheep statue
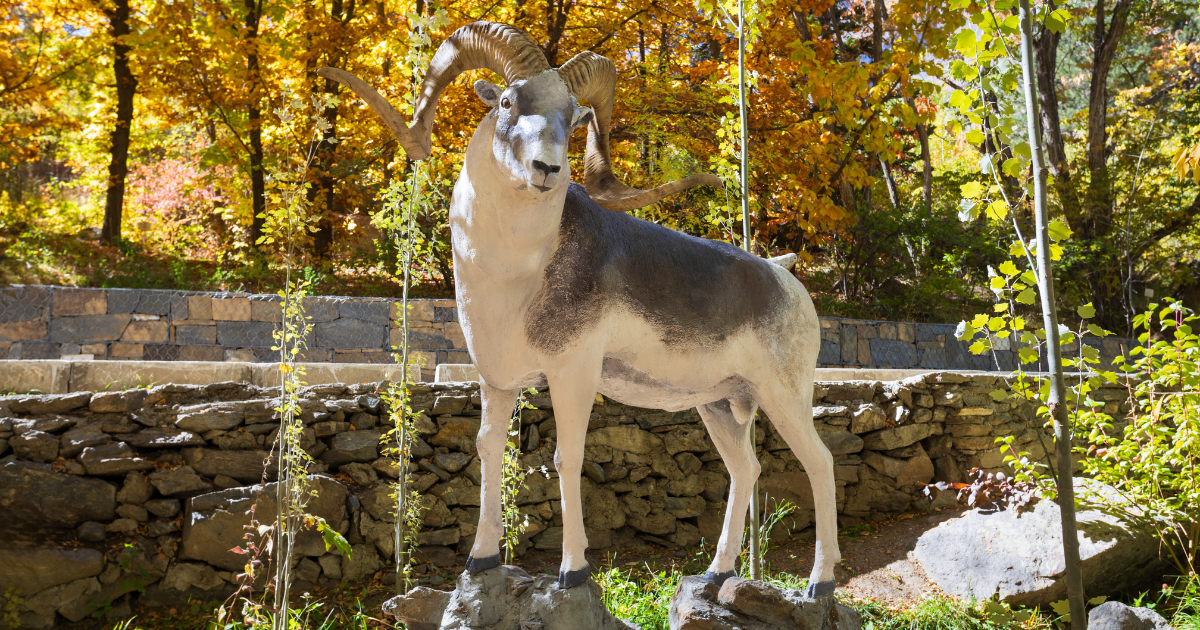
557, 286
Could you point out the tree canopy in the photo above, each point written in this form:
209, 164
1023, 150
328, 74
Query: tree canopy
860, 142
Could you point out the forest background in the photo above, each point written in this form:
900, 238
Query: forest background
144, 140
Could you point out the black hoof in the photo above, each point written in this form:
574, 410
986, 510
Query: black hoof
475, 565
716, 578
571, 579
820, 589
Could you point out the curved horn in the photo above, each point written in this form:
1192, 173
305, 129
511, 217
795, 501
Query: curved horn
593, 77
505, 50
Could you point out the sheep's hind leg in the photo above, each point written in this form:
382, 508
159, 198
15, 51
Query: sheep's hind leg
729, 427
498, 405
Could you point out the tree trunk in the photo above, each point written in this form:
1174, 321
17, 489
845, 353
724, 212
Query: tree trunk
1105, 42
118, 167
1056, 154
258, 185
323, 237
926, 160
1056, 400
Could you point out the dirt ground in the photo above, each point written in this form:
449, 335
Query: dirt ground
876, 557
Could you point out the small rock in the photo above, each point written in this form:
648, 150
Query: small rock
181, 481
511, 599
1118, 616
35, 495
35, 446
223, 482
137, 490
135, 512
419, 609
165, 508
452, 462
163, 437
352, 446
91, 531
117, 402
307, 571
187, 575
122, 526
331, 566
387, 467
362, 474
161, 527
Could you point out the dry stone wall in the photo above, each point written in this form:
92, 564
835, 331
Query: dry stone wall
44, 322
109, 496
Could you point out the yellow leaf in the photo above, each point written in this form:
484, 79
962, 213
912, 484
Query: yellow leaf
971, 190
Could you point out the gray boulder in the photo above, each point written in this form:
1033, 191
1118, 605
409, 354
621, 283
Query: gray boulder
1118, 616
506, 598
164, 437
1020, 556
215, 523
741, 604
34, 495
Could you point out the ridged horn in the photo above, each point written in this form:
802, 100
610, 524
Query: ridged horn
503, 49
593, 77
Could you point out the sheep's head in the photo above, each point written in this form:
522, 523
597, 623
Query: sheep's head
534, 121
532, 130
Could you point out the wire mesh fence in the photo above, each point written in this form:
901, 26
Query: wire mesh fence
49, 322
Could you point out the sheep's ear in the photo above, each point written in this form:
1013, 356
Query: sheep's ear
583, 116
488, 92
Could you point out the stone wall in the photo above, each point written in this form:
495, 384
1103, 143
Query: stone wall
41, 322
170, 471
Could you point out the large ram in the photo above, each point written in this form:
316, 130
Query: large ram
556, 286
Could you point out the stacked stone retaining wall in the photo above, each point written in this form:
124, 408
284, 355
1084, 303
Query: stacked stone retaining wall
140, 494
45, 322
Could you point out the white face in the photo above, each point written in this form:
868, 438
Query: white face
534, 121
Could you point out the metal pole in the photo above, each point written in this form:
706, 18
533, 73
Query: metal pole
755, 560
1055, 401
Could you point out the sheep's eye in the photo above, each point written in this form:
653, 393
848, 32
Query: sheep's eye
505, 103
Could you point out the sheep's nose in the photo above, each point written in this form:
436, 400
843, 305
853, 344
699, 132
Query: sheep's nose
545, 169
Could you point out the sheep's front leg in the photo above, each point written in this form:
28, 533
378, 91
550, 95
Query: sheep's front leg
572, 391
498, 405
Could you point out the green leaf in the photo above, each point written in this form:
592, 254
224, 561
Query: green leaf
981, 346
1098, 331
971, 190
334, 539
1022, 149
999, 395
1057, 20
996, 323
1027, 354
1028, 296
1059, 231
1087, 311
1011, 25
1096, 601
960, 100
1013, 167
998, 283
975, 136
966, 43
1001, 307
1062, 607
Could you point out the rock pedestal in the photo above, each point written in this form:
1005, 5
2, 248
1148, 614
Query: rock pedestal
505, 598
741, 604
